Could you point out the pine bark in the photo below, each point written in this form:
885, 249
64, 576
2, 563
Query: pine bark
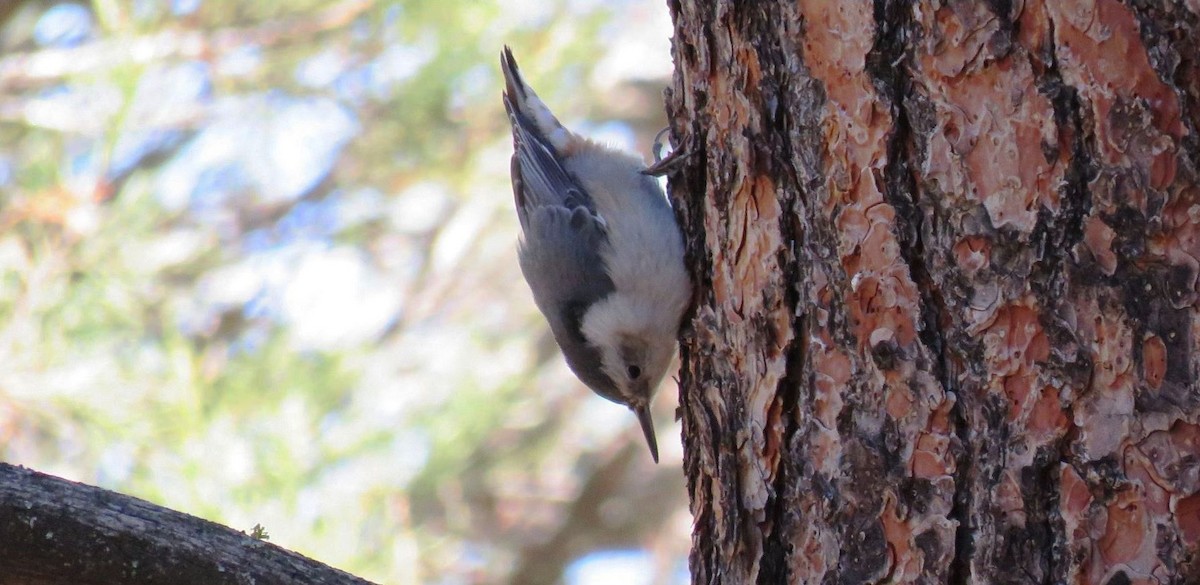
946, 258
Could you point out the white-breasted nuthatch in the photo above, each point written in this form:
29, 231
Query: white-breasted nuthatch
600, 250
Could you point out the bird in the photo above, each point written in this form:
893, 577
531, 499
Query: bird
601, 251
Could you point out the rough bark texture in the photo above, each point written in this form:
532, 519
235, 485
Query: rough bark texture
946, 257
57, 532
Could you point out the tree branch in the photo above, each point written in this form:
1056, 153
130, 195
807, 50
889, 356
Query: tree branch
54, 531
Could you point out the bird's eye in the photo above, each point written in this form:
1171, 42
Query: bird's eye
634, 372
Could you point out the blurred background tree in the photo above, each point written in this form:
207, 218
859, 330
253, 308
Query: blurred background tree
257, 264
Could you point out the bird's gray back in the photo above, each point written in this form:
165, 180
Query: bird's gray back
560, 258
562, 248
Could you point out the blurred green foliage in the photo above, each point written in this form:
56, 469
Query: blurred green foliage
257, 264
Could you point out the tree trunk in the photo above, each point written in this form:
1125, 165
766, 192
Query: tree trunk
946, 260
57, 532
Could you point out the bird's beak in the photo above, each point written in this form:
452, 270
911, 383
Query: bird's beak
643, 414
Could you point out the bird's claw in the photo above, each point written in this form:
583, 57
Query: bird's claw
665, 165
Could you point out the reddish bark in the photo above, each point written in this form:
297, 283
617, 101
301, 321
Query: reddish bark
947, 257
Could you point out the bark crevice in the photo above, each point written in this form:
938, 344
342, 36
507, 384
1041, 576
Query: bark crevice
888, 64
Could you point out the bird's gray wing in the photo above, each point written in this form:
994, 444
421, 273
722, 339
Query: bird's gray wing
560, 252
560, 258
535, 153
542, 179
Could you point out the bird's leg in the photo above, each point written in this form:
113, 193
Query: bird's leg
665, 165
